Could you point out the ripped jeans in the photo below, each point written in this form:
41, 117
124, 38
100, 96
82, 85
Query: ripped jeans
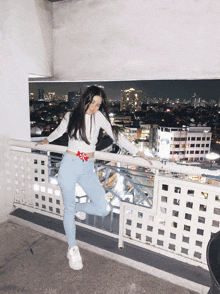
73, 170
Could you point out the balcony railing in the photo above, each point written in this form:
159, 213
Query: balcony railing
169, 208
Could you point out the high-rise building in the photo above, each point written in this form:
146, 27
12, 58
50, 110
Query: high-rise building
73, 98
196, 100
190, 143
41, 94
130, 100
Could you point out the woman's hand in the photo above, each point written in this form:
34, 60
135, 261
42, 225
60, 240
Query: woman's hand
45, 141
141, 154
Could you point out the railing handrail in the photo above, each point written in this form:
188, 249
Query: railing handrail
130, 160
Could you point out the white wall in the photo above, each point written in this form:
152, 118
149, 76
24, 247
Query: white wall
26, 48
144, 39
26, 32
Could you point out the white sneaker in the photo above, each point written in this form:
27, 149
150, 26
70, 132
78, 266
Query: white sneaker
75, 259
81, 215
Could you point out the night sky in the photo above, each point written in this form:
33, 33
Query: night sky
182, 89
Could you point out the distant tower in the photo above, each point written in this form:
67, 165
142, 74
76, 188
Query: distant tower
73, 98
130, 100
40, 94
194, 100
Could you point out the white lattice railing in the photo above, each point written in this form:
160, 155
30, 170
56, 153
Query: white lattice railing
179, 225
184, 216
33, 187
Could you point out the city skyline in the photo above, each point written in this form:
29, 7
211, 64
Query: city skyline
173, 89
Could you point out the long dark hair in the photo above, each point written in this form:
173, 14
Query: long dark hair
77, 117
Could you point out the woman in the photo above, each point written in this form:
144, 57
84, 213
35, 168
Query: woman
83, 125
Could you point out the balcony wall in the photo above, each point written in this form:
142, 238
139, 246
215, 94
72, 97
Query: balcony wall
26, 48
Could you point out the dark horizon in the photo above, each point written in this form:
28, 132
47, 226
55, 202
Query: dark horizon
182, 89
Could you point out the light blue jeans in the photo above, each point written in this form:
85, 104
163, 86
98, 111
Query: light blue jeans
73, 170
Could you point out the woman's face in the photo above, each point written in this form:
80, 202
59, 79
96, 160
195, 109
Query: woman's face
94, 106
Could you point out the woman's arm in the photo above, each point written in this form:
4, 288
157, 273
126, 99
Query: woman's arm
43, 142
122, 140
141, 154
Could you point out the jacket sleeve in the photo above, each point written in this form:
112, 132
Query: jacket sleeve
61, 129
122, 141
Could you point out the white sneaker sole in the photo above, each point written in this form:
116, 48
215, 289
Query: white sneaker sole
75, 265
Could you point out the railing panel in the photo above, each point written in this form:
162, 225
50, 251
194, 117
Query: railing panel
181, 223
31, 183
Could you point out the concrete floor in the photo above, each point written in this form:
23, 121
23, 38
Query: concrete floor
31, 262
